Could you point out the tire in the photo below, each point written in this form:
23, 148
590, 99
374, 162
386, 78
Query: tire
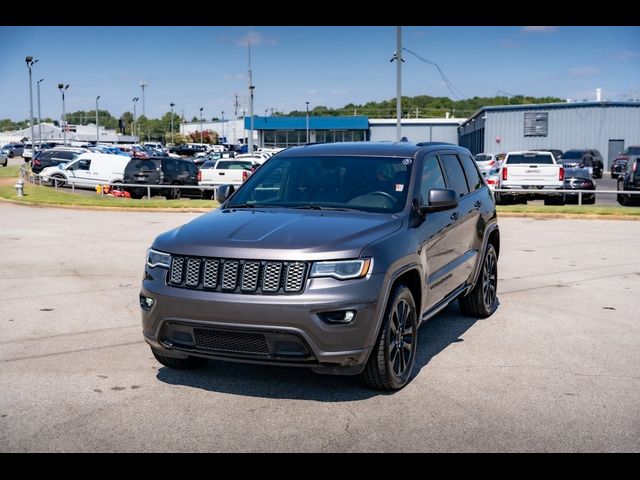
61, 181
482, 301
188, 363
174, 193
391, 361
208, 194
135, 196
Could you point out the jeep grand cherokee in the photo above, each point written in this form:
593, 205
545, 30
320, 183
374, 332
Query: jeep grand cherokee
330, 257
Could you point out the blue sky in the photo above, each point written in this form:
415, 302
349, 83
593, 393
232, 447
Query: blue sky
204, 66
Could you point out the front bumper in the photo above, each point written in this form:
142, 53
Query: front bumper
268, 329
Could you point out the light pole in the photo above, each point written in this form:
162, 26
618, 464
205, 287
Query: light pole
62, 87
39, 118
143, 85
30, 62
201, 108
222, 128
97, 122
172, 105
251, 88
133, 127
307, 121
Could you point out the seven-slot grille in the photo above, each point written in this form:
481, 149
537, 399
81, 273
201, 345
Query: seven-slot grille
237, 276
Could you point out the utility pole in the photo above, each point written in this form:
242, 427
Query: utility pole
399, 84
30, 61
143, 84
97, 122
251, 87
39, 117
235, 119
172, 105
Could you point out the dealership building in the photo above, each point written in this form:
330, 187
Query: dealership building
608, 127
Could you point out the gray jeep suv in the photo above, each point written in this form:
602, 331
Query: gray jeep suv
330, 257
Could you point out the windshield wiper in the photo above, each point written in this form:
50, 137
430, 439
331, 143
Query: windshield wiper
312, 206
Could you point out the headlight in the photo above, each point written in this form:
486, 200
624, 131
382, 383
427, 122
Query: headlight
158, 259
343, 270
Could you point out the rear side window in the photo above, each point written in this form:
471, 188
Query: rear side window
455, 174
142, 165
473, 176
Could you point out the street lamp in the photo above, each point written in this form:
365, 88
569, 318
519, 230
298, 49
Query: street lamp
39, 118
201, 108
172, 105
30, 62
222, 128
133, 126
97, 122
62, 87
143, 85
307, 121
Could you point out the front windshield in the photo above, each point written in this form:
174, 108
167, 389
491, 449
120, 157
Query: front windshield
372, 184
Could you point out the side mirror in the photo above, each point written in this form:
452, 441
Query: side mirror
224, 192
440, 199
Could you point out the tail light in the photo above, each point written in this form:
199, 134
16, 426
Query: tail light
561, 174
504, 173
635, 164
199, 175
491, 163
245, 175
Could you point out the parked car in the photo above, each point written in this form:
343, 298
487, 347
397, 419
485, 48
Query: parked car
557, 154
526, 173
329, 256
584, 158
12, 149
188, 150
618, 165
579, 179
170, 171
88, 170
53, 157
3, 160
486, 161
232, 171
629, 181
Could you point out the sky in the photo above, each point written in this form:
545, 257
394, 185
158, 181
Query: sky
203, 67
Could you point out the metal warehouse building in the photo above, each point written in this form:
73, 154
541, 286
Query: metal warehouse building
606, 126
416, 129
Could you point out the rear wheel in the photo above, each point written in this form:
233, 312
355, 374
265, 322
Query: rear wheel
482, 301
58, 181
174, 193
180, 363
391, 362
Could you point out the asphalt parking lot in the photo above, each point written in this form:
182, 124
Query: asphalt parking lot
554, 369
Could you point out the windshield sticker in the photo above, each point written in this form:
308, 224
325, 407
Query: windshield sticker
407, 161
399, 187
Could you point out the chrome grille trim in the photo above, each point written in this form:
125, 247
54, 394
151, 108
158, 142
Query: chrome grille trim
237, 276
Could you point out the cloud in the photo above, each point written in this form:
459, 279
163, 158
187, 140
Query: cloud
539, 29
256, 38
584, 71
628, 55
509, 44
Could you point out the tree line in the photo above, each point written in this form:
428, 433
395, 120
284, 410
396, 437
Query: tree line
418, 106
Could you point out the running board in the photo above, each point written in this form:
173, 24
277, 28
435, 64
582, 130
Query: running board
442, 304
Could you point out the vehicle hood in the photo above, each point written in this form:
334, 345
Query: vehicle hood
278, 234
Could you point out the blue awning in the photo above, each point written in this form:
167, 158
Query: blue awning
359, 122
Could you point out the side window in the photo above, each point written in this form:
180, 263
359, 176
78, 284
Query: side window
431, 178
454, 173
193, 170
471, 171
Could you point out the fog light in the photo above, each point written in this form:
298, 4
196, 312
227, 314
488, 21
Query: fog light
341, 316
146, 302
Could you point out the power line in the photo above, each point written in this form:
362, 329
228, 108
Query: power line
452, 88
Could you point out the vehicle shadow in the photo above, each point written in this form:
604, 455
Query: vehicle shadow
302, 384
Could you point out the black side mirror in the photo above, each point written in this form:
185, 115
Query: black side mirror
224, 192
440, 199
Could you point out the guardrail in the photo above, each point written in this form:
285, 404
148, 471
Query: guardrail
37, 179
527, 191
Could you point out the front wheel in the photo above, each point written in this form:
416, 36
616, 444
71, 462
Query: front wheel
391, 362
482, 301
174, 193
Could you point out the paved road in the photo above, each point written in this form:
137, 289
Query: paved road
555, 369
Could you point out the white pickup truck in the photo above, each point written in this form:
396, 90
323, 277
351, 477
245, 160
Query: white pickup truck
528, 173
226, 171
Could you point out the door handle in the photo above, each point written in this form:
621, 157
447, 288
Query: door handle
454, 216
478, 204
